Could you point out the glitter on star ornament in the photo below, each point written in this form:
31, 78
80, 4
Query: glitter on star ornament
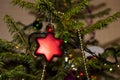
49, 46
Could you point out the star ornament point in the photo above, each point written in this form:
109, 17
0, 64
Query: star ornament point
49, 46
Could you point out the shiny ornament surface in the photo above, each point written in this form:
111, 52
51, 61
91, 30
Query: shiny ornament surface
49, 46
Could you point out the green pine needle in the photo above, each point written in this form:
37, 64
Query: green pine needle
18, 35
102, 23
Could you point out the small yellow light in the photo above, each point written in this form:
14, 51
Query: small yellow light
78, 76
65, 41
16, 47
118, 66
111, 69
105, 64
70, 55
38, 19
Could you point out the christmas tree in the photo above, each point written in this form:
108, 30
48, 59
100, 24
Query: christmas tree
59, 50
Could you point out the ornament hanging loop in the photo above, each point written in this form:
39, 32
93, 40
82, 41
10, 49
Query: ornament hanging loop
50, 18
50, 26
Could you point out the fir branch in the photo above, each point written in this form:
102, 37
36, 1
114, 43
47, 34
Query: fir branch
17, 72
20, 59
47, 6
97, 7
101, 13
1, 65
101, 24
59, 76
25, 4
75, 9
72, 25
6, 46
67, 28
96, 64
14, 60
41, 6
19, 36
85, 15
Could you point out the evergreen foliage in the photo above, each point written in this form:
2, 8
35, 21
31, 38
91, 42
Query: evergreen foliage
17, 59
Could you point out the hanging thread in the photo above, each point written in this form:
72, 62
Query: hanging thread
83, 54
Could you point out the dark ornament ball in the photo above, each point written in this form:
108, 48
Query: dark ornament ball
37, 24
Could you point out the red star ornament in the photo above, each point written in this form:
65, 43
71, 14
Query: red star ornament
49, 46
